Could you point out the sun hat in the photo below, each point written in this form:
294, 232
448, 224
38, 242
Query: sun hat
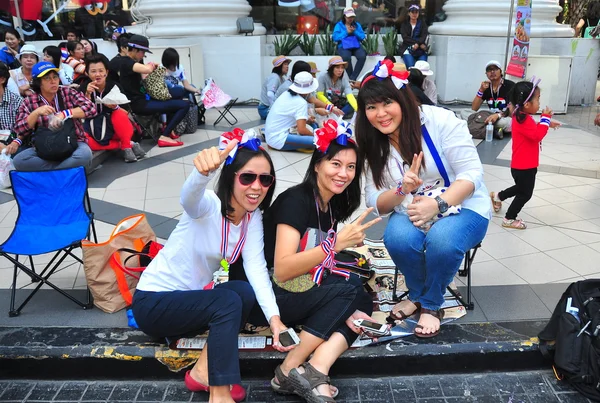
399, 66
313, 68
139, 42
28, 49
414, 7
493, 63
349, 12
424, 67
336, 61
304, 83
40, 69
279, 60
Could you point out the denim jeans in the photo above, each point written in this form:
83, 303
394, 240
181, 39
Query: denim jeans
175, 108
297, 141
28, 160
263, 111
323, 309
409, 60
430, 260
361, 57
223, 310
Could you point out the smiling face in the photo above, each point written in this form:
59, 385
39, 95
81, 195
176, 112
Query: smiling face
248, 197
28, 60
385, 116
334, 175
11, 41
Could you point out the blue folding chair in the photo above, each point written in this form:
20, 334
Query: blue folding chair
54, 216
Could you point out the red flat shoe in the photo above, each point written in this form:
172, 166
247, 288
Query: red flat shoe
238, 393
162, 143
174, 135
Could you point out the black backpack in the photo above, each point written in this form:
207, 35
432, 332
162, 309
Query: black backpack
570, 339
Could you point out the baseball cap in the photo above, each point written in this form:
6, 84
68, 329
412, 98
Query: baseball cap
139, 42
349, 12
493, 63
413, 7
40, 69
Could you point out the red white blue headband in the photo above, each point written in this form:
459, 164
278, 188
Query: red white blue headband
339, 131
385, 69
247, 139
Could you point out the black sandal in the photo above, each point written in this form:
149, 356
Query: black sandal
305, 383
439, 314
281, 383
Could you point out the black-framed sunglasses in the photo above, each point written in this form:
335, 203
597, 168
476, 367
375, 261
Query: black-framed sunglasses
248, 178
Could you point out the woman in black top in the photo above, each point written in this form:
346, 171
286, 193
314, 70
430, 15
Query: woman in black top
414, 33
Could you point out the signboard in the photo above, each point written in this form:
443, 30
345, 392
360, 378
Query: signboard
519, 52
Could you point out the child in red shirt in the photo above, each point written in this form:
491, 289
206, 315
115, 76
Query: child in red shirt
527, 138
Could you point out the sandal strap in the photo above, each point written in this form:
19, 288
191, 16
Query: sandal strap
439, 314
313, 376
284, 381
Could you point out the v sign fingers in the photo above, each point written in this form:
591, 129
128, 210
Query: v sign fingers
416, 163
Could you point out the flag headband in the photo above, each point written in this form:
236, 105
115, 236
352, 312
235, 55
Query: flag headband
385, 69
332, 130
247, 139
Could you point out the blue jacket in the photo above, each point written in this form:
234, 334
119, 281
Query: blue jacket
6, 57
340, 32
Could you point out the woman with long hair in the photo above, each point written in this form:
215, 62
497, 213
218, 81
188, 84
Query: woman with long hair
9, 53
76, 59
53, 55
301, 239
89, 48
412, 153
176, 295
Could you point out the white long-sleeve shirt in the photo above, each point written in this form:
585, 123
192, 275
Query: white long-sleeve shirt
193, 251
454, 144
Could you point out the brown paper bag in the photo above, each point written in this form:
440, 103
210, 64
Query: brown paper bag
111, 288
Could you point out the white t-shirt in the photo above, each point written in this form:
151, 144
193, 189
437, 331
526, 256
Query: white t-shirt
16, 80
66, 74
285, 111
193, 252
179, 74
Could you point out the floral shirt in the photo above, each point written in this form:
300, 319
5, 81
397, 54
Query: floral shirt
70, 99
9, 105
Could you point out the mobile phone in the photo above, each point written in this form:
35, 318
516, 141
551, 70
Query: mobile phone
288, 338
373, 327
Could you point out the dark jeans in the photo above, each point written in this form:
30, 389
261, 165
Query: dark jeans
361, 57
223, 310
323, 309
521, 191
176, 109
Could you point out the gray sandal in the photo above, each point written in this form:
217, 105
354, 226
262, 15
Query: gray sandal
284, 387
305, 383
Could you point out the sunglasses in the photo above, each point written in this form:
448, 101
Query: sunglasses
247, 178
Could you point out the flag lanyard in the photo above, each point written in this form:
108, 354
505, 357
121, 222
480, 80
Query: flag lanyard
319, 218
495, 98
237, 250
57, 106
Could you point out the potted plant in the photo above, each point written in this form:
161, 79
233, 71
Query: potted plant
328, 46
371, 44
286, 43
308, 43
390, 42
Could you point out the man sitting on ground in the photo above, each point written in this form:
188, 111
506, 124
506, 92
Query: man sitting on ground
494, 91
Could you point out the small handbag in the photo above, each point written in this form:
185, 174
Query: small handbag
155, 84
350, 42
56, 145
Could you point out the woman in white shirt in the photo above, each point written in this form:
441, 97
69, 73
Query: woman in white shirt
20, 78
175, 297
412, 152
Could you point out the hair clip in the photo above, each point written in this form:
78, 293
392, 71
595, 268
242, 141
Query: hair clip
332, 130
247, 139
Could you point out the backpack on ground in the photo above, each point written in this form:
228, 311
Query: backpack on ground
570, 339
476, 124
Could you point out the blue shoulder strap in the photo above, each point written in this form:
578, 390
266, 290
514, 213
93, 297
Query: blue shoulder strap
435, 155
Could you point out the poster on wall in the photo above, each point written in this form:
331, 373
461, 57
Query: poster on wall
520, 48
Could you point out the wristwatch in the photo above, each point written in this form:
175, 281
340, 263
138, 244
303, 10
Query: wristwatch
442, 205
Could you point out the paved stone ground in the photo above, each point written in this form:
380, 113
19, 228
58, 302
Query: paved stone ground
517, 387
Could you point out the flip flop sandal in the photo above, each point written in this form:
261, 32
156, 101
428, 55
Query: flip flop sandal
393, 316
284, 387
305, 383
496, 204
439, 314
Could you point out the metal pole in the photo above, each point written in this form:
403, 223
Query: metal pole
18, 24
508, 32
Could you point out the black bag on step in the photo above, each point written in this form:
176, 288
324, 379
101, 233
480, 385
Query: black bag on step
571, 338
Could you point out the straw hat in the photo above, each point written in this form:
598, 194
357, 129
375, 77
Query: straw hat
337, 61
279, 60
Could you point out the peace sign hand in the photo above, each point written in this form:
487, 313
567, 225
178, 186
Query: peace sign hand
209, 159
411, 180
354, 233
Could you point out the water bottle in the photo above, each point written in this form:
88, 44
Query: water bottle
489, 132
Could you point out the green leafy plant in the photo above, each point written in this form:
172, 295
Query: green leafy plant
390, 42
308, 44
286, 43
328, 46
371, 44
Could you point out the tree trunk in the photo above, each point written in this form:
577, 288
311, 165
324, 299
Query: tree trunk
577, 10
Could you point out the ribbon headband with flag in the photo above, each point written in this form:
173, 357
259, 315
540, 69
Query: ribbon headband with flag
247, 139
332, 130
385, 69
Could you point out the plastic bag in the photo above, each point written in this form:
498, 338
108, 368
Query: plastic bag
6, 165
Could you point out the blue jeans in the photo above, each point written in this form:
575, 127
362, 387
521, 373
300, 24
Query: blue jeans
409, 60
223, 310
361, 57
175, 108
263, 111
297, 141
429, 261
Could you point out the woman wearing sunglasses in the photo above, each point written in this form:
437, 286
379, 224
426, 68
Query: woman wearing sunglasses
176, 295
301, 240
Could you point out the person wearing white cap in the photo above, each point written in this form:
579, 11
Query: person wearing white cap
349, 34
281, 65
21, 77
429, 87
286, 128
414, 33
494, 91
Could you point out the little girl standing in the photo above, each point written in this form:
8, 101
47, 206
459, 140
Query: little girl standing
527, 138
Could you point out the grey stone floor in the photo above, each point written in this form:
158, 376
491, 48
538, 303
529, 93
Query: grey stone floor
518, 387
